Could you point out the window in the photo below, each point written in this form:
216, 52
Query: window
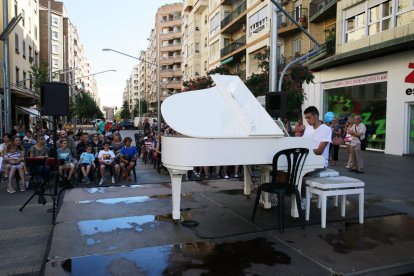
55, 63
24, 48
215, 23
23, 17
24, 78
16, 43
36, 58
405, 12
35, 32
16, 10
30, 25
197, 47
55, 35
380, 18
355, 27
214, 50
205, 65
55, 49
30, 54
298, 12
17, 74
55, 21
205, 42
296, 47
258, 20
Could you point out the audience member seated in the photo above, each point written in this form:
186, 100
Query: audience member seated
28, 138
40, 150
106, 159
86, 161
81, 146
14, 159
65, 157
129, 155
6, 140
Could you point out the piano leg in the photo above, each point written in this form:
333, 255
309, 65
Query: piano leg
265, 177
176, 177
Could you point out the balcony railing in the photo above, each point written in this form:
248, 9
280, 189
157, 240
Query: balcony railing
299, 15
171, 19
235, 13
318, 7
171, 57
170, 32
238, 43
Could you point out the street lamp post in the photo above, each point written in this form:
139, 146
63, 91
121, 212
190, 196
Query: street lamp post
158, 78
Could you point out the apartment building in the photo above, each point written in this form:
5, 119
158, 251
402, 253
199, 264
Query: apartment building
168, 31
195, 31
23, 54
370, 71
152, 71
109, 112
142, 77
69, 60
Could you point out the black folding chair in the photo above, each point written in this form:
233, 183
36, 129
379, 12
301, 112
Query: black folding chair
288, 185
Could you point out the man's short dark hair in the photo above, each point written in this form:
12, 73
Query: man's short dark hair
107, 143
311, 109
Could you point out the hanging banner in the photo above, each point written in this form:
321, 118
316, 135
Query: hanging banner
356, 81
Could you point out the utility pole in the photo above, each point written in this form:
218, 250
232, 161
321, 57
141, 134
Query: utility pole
6, 63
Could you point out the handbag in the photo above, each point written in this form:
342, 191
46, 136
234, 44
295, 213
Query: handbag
337, 141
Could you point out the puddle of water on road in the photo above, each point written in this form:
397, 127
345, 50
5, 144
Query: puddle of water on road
359, 237
130, 200
232, 192
229, 258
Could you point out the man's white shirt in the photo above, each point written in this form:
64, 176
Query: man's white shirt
322, 134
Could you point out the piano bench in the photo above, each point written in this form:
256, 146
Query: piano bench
334, 186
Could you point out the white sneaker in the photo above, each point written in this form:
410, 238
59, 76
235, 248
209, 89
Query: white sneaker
226, 176
113, 180
101, 182
236, 175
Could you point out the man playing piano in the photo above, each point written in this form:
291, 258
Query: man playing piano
320, 133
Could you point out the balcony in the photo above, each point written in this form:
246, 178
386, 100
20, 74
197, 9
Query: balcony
188, 5
237, 44
233, 15
171, 59
286, 26
200, 6
171, 46
321, 9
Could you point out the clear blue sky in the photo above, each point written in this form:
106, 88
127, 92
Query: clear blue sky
121, 25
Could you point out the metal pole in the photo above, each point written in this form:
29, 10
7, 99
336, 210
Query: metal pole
158, 83
7, 92
273, 52
1, 102
49, 35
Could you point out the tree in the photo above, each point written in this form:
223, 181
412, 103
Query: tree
38, 75
204, 81
125, 113
85, 107
291, 86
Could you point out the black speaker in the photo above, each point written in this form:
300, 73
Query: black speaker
273, 101
54, 99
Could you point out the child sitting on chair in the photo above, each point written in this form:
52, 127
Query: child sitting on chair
65, 156
106, 158
87, 160
129, 156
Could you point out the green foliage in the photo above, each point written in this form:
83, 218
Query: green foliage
204, 81
39, 76
85, 107
291, 86
125, 113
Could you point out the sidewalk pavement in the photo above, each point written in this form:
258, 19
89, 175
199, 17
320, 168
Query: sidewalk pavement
24, 235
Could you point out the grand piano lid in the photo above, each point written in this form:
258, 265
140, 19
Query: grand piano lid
227, 110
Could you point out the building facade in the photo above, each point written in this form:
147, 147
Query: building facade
23, 54
371, 71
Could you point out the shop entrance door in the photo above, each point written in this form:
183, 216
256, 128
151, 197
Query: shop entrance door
411, 130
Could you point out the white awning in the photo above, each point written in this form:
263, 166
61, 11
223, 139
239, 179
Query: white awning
31, 111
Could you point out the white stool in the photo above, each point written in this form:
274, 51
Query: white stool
334, 186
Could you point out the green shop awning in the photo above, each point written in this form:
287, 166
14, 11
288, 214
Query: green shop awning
230, 59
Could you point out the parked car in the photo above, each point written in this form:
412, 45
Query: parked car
127, 125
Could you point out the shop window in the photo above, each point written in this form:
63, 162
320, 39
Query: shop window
369, 101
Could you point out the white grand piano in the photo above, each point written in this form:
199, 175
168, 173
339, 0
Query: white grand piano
223, 125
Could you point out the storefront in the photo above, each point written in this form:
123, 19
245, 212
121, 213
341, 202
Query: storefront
376, 89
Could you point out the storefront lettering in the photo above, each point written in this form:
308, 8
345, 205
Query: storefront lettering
380, 124
356, 81
409, 91
410, 77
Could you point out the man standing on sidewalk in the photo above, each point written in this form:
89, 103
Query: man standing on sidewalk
357, 131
